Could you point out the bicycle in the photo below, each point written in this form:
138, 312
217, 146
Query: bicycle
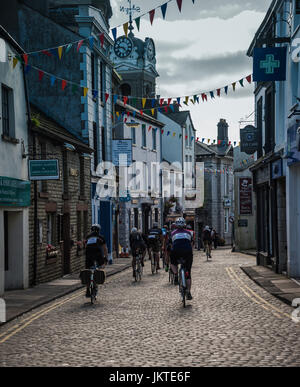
207, 251
171, 276
138, 267
93, 285
182, 281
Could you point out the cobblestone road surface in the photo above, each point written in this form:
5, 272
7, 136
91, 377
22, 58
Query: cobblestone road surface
230, 322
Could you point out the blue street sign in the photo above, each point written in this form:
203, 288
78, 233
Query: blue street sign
269, 64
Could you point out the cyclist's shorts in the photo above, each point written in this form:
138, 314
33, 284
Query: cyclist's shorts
137, 246
177, 254
155, 246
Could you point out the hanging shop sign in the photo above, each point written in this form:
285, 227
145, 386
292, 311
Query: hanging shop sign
293, 144
122, 153
269, 64
14, 192
245, 185
249, 139
43, 170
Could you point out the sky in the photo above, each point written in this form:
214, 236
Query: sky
200, 49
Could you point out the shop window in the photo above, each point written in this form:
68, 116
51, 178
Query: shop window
154, 139
7, 112
133, 137
51, 236
144, 140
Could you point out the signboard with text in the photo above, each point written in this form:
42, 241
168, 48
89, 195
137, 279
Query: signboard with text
14, 192
122, 153
269, 64
245, 188
43, 170
249, 139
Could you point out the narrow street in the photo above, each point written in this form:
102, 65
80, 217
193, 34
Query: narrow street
230, 322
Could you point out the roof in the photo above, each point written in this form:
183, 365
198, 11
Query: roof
213, 150
180, 117
5, 35
50, 128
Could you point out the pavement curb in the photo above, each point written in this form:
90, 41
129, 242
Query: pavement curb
72, 289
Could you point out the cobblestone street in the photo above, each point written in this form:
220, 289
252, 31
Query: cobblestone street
230, 322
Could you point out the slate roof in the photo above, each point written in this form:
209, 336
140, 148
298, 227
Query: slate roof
202, 149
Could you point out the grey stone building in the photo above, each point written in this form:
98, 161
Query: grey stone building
218, 205
63, 207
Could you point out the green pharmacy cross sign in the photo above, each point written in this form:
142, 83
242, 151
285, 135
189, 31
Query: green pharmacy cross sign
269, 64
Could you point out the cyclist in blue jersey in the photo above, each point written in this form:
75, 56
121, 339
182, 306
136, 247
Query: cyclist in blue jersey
182, 241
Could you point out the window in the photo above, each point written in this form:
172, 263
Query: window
298, 7
126, 90
144, 141
6, 111
102, 81
145, 178
93, 71
259, 111
60, 228
133, 136
269, 120
226, 224
95, 139
154, 139
51, 240
103, 143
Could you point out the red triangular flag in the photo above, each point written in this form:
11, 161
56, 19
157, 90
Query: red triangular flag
106, 97
46, 53
161, 101
25, 57
141, 111
125, 99
152, 13
63, 84
128, 114
218, 92
149, 128
249, 78
162, 131
166, 109
101, 36
41, 74
179, 3
169, 101
79, 45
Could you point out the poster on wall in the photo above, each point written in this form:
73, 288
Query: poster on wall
245, 196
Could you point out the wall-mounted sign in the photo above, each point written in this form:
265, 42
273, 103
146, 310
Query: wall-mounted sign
277, 169
296, 51
245, 187
249, 139
293, 144
269, 64
43, 170
243, 223
122, 153
14, 192
227, 202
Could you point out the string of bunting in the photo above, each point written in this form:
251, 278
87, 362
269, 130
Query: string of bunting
57, 51
161, 104
248, 161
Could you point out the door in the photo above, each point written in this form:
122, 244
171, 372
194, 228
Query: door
67, 244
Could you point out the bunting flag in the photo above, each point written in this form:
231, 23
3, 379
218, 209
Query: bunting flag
27, 69
106, 97
149, 128
63, 84
41, 75
212, 94
95, 94
178, 100
47, 53
79, 45
125, 28
226, 89
144, 102
249, 78
101, 37
186, 100
115, 99
60, 51
85, 91
233, 86
174, 134
91, 41
219, 92
69, 48
152, 111
169, 101
114, 32
15, 61
162, 100
164, 10
54, 52
74, 89
151, 14
125, 99
241, 82
138, 23
25, 57
179, 3
162, 131
168, 133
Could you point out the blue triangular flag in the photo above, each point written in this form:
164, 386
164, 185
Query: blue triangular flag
115, 99
95, 93
212, 94
164, 10
226, 89
172, 108
27, 69
134, 113
114, 32
168, 133
52, 80
153, 103
54, 52
91, 40
178, 100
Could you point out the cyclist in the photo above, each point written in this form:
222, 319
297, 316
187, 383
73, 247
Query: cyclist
165, 248
182, 248
96, 250
207, 239
155, 240
136, 243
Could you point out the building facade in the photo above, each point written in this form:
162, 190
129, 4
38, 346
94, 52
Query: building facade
14, 183
218, 208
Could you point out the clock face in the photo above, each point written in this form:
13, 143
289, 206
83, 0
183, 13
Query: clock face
150, 50
123, 47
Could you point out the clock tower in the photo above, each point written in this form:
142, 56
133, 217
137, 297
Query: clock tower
135, 60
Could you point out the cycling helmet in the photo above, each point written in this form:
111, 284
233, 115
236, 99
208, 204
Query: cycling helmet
180, 223
134, 230
96, 228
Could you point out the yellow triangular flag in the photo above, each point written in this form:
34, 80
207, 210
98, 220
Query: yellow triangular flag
60, 51
125, 27
174, 134
152, 110
85, 90
144, 102
186, 100
15, 61
233, 86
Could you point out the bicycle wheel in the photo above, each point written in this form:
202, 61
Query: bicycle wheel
182, 286
93, 293
153, 267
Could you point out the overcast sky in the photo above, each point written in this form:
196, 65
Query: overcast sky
201, 49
